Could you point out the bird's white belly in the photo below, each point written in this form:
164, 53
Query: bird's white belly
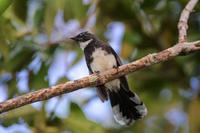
103, 61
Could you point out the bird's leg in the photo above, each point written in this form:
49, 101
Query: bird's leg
116, 67
97, 72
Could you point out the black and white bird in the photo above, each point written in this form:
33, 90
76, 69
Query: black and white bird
126, 105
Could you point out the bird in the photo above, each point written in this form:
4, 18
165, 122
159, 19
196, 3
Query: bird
100, 56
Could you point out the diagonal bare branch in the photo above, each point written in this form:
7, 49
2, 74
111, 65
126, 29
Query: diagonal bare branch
97, 79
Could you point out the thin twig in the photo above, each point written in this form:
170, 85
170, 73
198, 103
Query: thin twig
183, 21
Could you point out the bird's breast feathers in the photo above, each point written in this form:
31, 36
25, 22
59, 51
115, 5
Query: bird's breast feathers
102, 60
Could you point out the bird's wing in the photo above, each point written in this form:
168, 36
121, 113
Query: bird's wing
123, 79
102, 93
101, 90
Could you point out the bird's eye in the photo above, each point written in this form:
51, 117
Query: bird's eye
81, 35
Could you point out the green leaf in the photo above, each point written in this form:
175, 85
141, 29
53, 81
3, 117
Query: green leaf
62, 80
39, 17
49, 15
4, 4
12, 87
133, 37
38, 80
6, 36
25, 112
20, 57
74, 9
20, 9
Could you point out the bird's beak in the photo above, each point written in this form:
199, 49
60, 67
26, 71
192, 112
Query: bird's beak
73, 38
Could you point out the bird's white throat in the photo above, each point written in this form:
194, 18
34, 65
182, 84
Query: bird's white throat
84, 44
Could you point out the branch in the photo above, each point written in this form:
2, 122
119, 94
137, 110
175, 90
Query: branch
183, 21
98, 79
182, 48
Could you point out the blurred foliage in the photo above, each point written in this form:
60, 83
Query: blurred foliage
4, 4
29, 34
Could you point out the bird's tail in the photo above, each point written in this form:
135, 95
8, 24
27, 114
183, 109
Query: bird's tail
127, 106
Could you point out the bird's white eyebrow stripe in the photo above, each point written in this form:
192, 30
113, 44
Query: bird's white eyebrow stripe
84, 44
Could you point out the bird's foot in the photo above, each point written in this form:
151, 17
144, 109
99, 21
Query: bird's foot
97, 72
116, 67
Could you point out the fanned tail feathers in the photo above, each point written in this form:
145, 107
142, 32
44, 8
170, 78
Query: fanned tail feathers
126, 106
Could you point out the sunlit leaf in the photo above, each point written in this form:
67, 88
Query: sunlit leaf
74, 9
4, 4
51, 9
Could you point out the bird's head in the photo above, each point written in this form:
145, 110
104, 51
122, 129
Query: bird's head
83, 37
